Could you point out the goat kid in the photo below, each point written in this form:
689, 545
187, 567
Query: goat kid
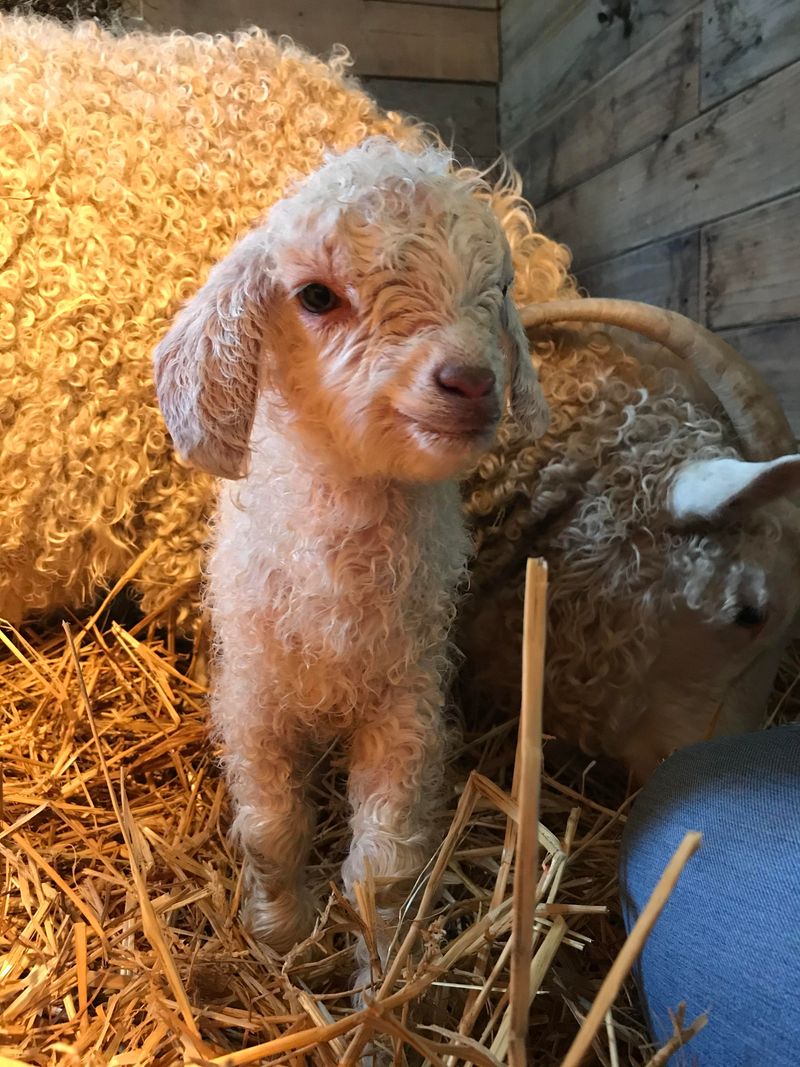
346, 363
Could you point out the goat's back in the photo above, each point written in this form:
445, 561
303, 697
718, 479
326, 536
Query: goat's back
128, 165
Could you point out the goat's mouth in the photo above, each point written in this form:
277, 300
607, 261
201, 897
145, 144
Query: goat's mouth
465, 432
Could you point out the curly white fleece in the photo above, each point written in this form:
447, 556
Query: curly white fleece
643, 646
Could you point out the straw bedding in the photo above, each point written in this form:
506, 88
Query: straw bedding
119, 941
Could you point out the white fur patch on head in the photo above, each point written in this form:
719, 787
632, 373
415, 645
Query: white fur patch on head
705, 489
378, 159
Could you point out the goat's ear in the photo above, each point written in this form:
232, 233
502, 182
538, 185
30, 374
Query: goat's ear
710, 489
206, 367
528, 405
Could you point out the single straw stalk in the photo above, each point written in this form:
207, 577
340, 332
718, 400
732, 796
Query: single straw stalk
530, 769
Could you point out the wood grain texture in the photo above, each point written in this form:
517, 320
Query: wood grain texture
523, 26
751, 265
743, 152
464, 114
386, 38
484, 5
744, 41
553, 50
774, 349
666, 273
647, 96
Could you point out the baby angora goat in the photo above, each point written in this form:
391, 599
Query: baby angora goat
347, 361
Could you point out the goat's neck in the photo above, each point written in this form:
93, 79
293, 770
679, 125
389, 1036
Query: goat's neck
315, 496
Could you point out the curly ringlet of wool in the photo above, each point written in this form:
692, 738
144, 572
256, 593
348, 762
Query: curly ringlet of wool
129, 165
591, 497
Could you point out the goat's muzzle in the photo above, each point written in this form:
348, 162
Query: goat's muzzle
466, 401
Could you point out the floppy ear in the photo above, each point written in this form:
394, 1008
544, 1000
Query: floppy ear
717, 488
528, 405
206, 367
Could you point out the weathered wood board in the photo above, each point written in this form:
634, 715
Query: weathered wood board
751, 266
386, 38
465, 114
647, 96
774, 349
668, 158
555, 49
744, 41
485, 5
743, 152
666, 274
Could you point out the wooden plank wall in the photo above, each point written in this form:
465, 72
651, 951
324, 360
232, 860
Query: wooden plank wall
437, 61
661, 143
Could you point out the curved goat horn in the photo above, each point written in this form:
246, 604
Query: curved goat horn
753, 410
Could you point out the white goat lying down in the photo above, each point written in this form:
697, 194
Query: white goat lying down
663, 504
347, 361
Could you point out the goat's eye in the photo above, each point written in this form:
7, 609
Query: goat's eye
749, 617
504, 288
318, 298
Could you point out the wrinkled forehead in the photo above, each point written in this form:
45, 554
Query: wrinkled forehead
430, 227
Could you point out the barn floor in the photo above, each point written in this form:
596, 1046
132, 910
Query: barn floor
119, 942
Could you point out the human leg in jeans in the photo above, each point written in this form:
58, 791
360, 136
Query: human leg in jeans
728, 941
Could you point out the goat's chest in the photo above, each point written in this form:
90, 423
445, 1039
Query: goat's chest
365, 596
343, 616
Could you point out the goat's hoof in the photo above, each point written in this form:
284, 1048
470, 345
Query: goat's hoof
366, 987
281, 921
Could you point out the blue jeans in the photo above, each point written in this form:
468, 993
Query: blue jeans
728, 940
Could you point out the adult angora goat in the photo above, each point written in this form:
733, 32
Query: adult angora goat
674, 563
128, 166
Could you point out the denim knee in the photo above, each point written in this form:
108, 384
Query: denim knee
728, 941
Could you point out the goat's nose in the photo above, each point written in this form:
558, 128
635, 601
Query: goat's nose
465, 380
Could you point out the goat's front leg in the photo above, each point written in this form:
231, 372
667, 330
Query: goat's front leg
274, 826
395, 788
273, 822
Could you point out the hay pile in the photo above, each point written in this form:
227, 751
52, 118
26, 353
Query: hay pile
119, 940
